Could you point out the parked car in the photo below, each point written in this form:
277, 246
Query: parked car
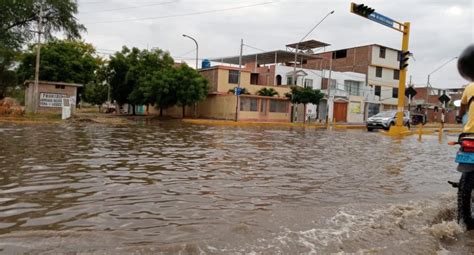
385, 120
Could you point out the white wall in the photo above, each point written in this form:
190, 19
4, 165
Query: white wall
386, 79
390, 59
286, 71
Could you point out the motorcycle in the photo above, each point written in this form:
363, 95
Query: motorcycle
465, 186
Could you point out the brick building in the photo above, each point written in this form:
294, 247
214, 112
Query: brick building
427, 99
380, 64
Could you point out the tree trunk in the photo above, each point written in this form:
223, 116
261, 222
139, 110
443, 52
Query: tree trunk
161, 111
147, 109
304, 114
184, 110
99, 108
133, 110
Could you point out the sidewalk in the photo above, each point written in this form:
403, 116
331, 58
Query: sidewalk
274, 124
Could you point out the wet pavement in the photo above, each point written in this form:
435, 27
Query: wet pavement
191, 189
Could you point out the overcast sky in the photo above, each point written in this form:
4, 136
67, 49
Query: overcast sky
440, 28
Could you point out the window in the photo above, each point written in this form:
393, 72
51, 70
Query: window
278, 106
254, 78
378, 91
263, 105
396, 74
233, 76
395, 92
289, 80
308, 83
353, 87
248, 104
333, 84
278, 79
60, 86
378, 72
339, 54
382, 52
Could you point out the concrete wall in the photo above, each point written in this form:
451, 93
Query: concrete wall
390, 60
68, 91
224, 86
314, 75
218, 107
263, 114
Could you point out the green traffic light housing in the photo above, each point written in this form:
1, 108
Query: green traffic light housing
361, 9
404, 57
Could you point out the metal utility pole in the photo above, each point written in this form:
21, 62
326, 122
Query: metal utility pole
428, 84
298, 44
197, 49
237, 92
330, 105
35, 97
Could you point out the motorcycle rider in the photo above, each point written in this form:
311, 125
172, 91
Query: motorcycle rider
466, 69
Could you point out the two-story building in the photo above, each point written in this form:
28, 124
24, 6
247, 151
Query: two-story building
379, 63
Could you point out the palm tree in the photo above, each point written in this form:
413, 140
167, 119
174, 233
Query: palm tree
267, 92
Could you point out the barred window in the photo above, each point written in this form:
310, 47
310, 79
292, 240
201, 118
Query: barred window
233, 76
248, 104
278, 106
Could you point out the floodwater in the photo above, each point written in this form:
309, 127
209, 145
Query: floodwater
176, 188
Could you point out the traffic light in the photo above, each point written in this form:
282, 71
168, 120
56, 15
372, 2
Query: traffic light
361, 9
404, 57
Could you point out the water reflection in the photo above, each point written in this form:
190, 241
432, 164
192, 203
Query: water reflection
176, 183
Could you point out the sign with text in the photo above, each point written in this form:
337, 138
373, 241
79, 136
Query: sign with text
51, 100
379, 18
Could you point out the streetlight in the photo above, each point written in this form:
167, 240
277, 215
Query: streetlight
304, 37
297, 48
428, 84
197, 49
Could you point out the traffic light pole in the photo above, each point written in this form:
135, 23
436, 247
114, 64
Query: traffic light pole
399, 129
369, 13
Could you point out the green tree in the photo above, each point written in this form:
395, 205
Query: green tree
19, 20
149, 62
62, 61
267, 92
96, 92
8, 77
299, 95
141, 77
18, 23
190, 86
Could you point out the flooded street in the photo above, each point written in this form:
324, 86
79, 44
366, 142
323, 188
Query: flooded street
192, 189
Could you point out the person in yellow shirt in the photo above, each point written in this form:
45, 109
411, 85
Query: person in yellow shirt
466, 69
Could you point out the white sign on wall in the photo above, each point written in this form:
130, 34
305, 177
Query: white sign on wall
51, 100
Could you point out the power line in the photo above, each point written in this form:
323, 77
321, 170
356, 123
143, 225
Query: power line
183, 14
132, 7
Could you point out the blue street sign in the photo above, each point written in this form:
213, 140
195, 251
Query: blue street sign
379, 18
237, 91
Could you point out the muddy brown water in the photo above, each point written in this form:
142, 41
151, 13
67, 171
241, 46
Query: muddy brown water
176, 188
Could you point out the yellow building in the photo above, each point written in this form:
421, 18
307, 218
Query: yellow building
221, 103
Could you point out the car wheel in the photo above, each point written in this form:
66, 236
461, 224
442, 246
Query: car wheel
407, 125
370, 129
389, 125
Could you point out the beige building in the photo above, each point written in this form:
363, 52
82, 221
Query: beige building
49, 96
221, 102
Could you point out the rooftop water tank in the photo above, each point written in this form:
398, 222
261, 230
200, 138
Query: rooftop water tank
206, 64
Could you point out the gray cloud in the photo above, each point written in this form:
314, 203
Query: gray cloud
440, 29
